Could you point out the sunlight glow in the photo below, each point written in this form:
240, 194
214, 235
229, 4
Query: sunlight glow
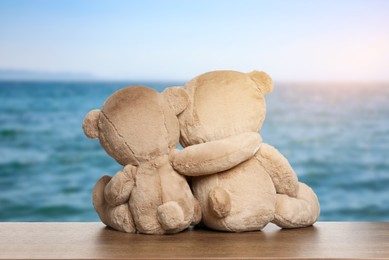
164, 40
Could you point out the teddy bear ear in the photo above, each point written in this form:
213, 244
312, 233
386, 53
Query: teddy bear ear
90, 124
177, 98
263, 81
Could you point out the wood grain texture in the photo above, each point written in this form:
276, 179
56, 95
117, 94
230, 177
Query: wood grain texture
94, 241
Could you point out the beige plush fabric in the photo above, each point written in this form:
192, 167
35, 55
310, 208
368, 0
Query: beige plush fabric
222, 104
241, 184
138, 127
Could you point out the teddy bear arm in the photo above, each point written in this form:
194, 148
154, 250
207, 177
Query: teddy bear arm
277, 166
216, 156
119, 187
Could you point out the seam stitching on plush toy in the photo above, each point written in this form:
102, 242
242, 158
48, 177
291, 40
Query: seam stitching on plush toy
120, 136
256, 84
277, 216
290, 223
260, 90
264, 116
164, 124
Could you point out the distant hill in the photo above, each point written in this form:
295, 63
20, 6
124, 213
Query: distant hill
32, 75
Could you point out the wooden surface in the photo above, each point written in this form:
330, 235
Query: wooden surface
94, 241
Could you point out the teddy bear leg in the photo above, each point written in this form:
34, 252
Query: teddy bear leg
98, 197
171, 216
117, 217
197, 212
219, 202
301, 211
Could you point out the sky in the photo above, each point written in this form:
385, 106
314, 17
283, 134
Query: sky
342, 40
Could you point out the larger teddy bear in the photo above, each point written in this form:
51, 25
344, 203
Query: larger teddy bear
241, 184
138, 127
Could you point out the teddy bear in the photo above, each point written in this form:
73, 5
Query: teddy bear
138, 127
241, 183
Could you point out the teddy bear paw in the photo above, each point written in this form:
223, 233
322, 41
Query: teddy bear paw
219, 202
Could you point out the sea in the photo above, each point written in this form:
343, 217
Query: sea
335, 136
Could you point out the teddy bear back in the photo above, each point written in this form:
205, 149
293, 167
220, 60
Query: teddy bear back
133, 125
223, 104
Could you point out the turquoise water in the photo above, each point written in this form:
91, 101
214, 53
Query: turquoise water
335, 136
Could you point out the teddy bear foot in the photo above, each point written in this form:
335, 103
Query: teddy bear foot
170, 216
219, 202
298, 212
99, 202
119, 218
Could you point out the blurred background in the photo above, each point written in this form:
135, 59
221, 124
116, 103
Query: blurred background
328, 114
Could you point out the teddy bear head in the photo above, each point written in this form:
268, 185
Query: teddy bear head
137, 123
222, 104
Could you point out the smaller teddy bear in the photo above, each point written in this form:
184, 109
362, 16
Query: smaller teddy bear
241, 183
138, 127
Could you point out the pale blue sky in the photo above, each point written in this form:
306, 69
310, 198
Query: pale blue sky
177, 40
